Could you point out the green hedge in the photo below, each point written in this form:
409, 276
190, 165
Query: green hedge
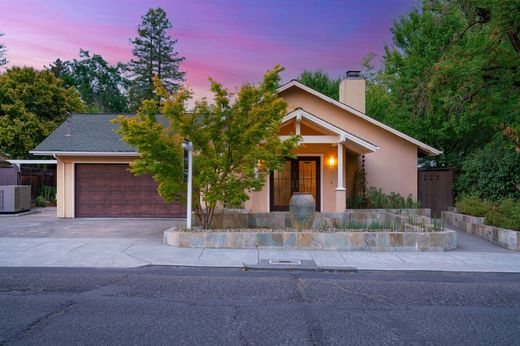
491, 173
503, 214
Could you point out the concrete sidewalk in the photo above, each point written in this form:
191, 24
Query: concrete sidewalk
134, 252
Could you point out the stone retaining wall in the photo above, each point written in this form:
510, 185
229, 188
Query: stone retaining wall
475, 225
302, 240
243, 218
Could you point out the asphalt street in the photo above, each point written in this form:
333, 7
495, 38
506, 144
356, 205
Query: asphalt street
202, 306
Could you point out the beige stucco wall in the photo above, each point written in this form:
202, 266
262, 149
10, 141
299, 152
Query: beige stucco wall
65, 179
393, 167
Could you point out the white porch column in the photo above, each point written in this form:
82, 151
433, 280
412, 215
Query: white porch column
340, 167
341, 192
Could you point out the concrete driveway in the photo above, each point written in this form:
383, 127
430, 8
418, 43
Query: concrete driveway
45, 225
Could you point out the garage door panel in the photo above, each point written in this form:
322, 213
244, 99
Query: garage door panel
110, 190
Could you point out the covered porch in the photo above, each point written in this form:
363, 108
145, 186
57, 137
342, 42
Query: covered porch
325, 165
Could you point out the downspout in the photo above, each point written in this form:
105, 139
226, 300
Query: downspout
63, 184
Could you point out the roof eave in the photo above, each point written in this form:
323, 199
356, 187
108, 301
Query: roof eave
430, 151
85, 153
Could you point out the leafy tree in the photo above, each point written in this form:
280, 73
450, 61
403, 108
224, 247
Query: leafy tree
451, 79
321, 81
3, 59
379, 103
101, 85
32, 104
453, 76
154, 55
235, 143
491, 173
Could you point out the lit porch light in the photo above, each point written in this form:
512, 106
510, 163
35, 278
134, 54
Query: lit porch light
332, 161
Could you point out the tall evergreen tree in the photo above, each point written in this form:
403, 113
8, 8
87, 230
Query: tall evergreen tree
3, 59
154, 55
62, 70
102, 86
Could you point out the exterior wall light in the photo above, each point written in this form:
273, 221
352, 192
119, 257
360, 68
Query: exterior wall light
332, 161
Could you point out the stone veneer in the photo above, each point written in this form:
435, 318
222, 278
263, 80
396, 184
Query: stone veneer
475, 225
243, 218
288, 239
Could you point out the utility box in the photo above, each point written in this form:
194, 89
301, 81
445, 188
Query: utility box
15, 198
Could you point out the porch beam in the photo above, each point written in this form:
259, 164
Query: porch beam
316, 139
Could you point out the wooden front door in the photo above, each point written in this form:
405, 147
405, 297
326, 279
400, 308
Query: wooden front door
297, 175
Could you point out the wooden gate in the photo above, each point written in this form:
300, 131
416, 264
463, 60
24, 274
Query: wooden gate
435, 189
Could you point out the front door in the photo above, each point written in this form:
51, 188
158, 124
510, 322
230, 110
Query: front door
297, 175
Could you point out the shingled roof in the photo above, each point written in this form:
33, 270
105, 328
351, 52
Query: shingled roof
91, 133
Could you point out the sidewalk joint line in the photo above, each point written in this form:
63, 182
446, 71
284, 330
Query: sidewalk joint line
30, 247
200, 255
402, 260
127, 248
78, 247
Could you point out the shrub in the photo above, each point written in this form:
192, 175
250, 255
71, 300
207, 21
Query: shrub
491, 173
473, 205
40, 201
505, 215
376, 199
48, 192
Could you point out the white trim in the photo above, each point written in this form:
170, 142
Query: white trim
73, 190
268, 193
32, 162
341, 168
425, 147
87, 153
315, 139
328, 126
64, 189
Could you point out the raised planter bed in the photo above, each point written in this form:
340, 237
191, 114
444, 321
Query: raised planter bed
288, 239
243, 218
506, 238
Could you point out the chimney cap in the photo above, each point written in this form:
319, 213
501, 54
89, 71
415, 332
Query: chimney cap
354, 74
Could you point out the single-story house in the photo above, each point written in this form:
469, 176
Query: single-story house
337, 136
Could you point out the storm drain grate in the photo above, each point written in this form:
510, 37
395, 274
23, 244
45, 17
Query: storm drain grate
294, 264
283, 261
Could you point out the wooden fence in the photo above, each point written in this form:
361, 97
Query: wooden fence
36, 177
435, 189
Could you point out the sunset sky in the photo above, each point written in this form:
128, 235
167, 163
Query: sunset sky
232, 41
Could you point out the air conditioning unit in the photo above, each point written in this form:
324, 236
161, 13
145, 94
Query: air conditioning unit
15, 198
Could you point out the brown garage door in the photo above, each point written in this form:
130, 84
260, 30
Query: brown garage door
110, 190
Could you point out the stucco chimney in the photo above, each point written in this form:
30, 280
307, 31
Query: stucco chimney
352, 90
